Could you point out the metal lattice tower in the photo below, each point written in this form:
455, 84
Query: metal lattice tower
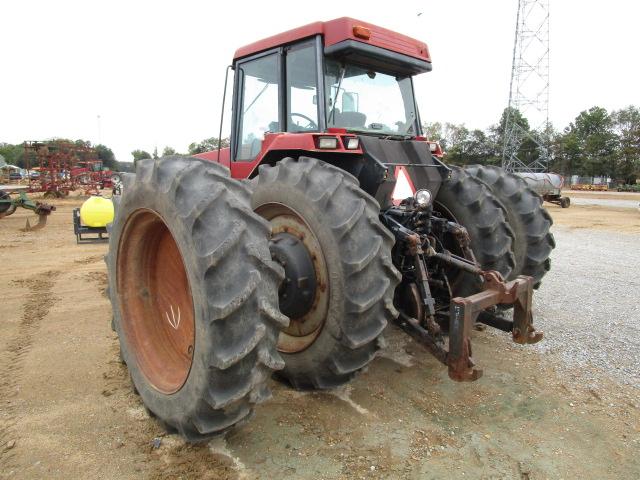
529, 90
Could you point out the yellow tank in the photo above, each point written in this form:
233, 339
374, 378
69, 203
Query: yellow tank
96, 212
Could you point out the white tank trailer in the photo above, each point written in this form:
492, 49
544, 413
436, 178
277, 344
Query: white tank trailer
548, 186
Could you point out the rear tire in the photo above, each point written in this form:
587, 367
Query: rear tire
469, 202
527, 218
356, 254
194, 294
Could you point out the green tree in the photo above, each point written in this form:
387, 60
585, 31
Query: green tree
139, 155
454, 139
527, 150
207, 145
13, 154
479, 148
105, 154
79, 142
567, 153
433, 131
626, 125
448, 135
514, 115
597, 141
168, 151
461, 145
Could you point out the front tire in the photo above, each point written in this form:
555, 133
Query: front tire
194, 294
324, 208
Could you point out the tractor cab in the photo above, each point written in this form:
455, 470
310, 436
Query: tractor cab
344, 77
90, 166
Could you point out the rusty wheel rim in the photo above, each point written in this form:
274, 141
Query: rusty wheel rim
155, 301
303, 331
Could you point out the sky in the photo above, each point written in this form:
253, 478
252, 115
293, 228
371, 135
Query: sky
149, 74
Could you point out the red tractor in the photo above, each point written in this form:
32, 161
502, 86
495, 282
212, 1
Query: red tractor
91, 176
327, 218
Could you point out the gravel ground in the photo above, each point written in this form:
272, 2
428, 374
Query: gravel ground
615, 203
588, 306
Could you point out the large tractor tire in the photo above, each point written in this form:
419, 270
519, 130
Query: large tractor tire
340, 279
194, 294
527, 218
467, 201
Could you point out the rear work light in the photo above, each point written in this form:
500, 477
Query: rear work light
330, 143
351, 143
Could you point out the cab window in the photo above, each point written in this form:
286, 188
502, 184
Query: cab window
259, 104
301, 74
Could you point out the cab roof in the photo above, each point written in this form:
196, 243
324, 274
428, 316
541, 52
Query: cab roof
340, 30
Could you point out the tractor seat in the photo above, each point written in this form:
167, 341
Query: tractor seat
350, 119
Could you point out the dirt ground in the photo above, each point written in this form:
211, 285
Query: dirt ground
608, 195
595, 217
67, 409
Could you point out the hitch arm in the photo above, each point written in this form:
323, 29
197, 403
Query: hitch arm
465, 311
463, 314
519, 293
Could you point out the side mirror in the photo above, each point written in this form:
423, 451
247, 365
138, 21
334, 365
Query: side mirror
315, 100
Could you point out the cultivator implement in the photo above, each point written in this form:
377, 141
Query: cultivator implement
9, 205
58, 167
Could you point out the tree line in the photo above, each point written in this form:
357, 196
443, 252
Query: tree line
14, 154
206, 145
596, 143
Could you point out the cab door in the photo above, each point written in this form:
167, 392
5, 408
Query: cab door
276, 91
258, 104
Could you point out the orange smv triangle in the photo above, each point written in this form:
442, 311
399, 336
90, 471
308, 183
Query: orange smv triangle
403, 188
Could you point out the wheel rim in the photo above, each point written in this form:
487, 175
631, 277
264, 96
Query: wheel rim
155, 301
304, 330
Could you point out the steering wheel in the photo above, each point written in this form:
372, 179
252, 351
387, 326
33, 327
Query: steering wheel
311, 125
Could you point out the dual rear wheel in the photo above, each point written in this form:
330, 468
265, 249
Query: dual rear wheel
215, 283
528, 220
195, 287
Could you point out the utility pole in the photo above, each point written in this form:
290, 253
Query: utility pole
529, 90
